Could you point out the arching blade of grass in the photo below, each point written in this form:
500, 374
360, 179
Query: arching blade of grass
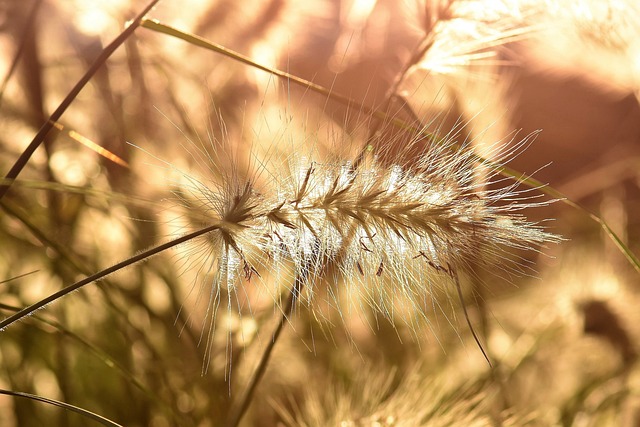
104, 358
18, 277
193, 39
101, 274
88, 414
71, 96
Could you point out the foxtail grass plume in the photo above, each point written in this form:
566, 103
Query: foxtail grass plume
367, 233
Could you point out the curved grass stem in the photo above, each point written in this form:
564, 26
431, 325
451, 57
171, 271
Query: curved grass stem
88, 414
247, 397
466, 316
101, 274
195, 40
105, 358
550, 191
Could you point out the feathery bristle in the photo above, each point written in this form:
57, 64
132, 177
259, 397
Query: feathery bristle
390, 234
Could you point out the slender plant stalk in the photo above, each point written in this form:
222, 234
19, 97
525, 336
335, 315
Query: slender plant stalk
158, 26
99, 275
18, 277
422, 47
247, 397
71, 96
466, 316
88, 414
111, 196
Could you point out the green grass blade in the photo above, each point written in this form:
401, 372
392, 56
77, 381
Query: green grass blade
83, 190
85, 413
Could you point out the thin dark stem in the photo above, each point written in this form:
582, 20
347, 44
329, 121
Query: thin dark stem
20, 276
91, 415
466, 316
48, 125
140, 257
422, 48
241, 408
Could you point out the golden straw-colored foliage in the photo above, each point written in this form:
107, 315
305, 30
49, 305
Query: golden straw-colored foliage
379, 212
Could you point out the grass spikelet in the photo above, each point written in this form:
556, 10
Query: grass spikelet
380, 234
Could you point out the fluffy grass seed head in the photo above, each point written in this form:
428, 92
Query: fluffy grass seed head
387, 234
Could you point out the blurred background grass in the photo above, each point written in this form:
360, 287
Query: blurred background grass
564, 344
